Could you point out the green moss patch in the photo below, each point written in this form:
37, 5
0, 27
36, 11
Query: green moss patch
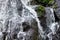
55, 6
47, 2
40, 11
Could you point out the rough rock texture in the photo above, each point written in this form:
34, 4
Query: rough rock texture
57, 35
58, 9
11, 22
15, 26
57, 15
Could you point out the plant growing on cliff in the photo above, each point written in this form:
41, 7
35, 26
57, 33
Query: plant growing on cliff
55, 6
47, 2
40, 11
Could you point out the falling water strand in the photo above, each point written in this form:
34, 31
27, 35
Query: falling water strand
53, 26
28, 13
34, 16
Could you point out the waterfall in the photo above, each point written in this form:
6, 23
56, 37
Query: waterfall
12, 18
53, 26
34, 15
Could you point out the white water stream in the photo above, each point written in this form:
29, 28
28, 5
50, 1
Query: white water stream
9, 13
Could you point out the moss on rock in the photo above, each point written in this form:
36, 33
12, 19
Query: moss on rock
46, 2
55, 6
40, 11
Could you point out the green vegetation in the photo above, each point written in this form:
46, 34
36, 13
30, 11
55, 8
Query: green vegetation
41, 10
50, 2
55, 6
47, 2
43, 4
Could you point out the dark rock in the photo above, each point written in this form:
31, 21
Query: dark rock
56, 17
31, 30
57, 12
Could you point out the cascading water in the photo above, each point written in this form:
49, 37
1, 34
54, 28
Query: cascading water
53, 26
34, 15
11, 19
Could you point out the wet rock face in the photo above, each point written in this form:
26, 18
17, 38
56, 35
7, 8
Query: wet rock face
17, 22
58, 12
43, 22
57, 35
30, 32
13, 26
48, 20
58, 9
